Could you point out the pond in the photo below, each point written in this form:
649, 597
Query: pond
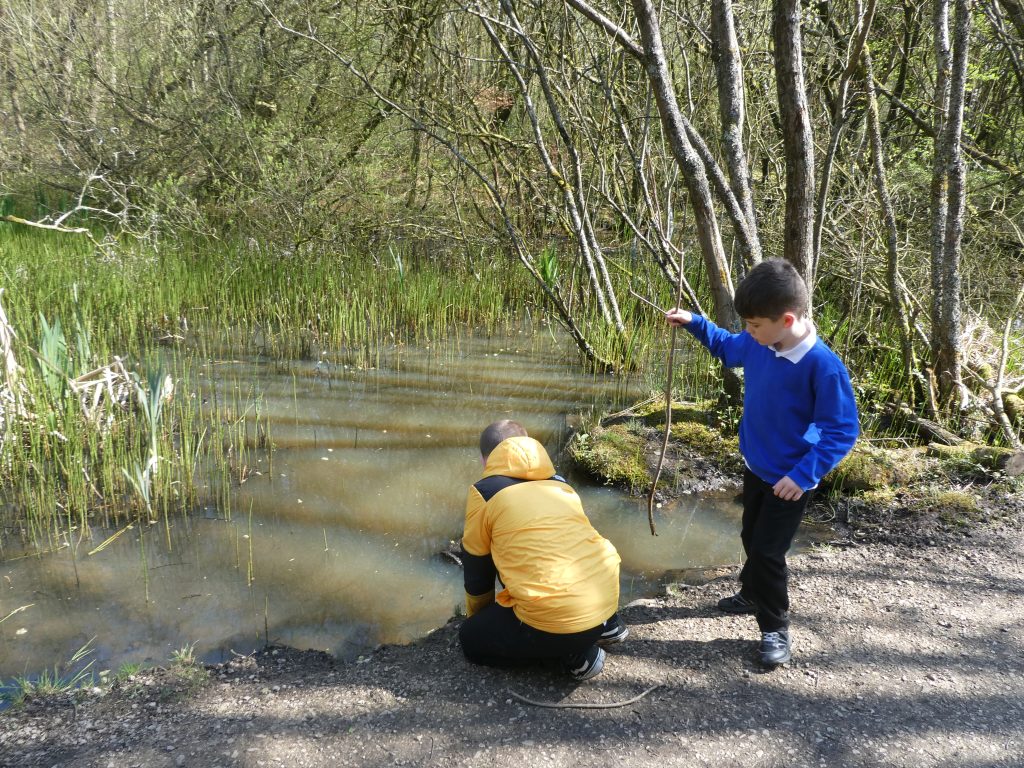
333, 540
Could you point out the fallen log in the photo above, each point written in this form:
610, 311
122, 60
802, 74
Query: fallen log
990, 457
927, 428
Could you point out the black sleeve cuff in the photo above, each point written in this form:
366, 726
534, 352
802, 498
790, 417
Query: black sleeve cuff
478, 573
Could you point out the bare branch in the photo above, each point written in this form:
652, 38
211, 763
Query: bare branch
609, 26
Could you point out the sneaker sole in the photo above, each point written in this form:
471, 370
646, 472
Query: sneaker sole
605, 642
596, 669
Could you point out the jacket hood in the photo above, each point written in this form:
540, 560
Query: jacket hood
521, 457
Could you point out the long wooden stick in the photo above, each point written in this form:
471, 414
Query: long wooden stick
650, 304
668, 409
571, 705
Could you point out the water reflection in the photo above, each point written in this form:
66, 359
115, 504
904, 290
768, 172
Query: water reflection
332, 542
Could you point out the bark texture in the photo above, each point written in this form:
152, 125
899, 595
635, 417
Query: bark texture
725, 51
948, 196
797, 140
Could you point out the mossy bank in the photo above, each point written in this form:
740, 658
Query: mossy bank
886, 489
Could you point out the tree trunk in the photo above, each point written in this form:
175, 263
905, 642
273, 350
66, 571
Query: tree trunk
708, 234
10, 81
113, 44
890, 232
690, 164
725, 51
797, 140
1015, 10
840, 118
948, 197
911, 33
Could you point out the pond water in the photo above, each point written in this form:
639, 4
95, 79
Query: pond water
333, 540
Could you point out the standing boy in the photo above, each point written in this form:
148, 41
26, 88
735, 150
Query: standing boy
799, 420
525, 525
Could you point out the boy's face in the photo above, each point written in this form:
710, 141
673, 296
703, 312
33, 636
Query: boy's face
769, 332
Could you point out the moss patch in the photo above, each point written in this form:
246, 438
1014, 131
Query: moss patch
709, 442
614, 454
624, 450
955, 508
872, 469
651, 413
882, 491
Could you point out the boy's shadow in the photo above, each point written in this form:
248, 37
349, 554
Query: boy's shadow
701, 655
653, 616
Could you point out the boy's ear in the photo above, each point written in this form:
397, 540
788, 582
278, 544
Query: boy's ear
788, 319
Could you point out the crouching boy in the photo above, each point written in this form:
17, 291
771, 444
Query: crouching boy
525, 525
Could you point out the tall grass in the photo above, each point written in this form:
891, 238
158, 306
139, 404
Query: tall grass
286, 305
168, 307
279, 304
138, 458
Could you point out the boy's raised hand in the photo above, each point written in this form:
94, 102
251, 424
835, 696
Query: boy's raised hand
678, 316
787, 490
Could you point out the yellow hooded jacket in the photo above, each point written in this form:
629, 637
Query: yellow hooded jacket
560, 574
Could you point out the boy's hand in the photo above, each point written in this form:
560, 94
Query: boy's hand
678, 317
787, 490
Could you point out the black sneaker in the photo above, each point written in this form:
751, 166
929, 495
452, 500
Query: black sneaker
736, 604
774, 648
614, 632
586, 665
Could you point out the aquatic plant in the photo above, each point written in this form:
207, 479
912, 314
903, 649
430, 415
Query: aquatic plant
63, 677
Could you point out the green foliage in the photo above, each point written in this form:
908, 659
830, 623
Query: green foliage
53, 358
547, 266
127, 670
707, 440
143, 451
184, 656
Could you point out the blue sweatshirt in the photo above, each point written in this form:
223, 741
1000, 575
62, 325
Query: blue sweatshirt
799, 412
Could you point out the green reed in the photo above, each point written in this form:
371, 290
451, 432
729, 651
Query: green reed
117, 452
70, 675
170, 310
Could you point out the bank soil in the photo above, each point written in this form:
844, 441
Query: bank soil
904, 656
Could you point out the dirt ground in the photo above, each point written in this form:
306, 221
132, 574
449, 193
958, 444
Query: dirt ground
903, 656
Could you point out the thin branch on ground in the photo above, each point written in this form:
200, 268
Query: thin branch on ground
582, 705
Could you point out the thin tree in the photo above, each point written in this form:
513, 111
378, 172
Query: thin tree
890, 234
797, 139
948, 197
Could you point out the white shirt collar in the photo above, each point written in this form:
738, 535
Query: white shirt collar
796, 354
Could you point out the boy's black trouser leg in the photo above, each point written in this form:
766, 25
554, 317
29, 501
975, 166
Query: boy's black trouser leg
769, 525
495, 637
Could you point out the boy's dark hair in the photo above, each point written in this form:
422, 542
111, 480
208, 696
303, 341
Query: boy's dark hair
771, 289
498, 431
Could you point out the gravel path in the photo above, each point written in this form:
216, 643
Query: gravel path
903, 657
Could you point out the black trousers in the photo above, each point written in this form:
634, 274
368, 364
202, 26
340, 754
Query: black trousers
769, 525
496, 637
